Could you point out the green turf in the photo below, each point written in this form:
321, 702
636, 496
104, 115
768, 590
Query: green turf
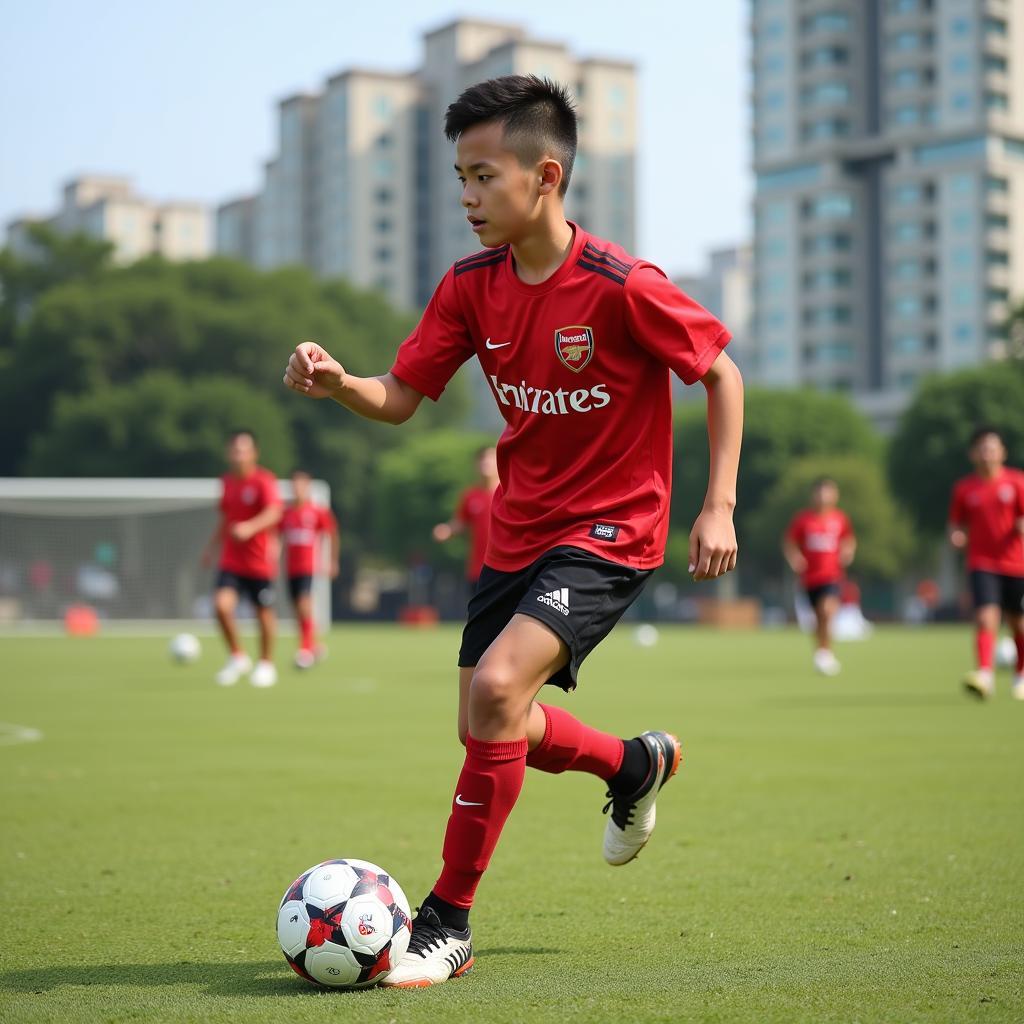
833, 850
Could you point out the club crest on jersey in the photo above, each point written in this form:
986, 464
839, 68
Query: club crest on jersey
574, 346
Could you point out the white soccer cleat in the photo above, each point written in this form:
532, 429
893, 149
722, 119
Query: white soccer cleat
264, 674
633, 816
826, 662
1017, 690
236, 667
435, 954
304, 658
979, 683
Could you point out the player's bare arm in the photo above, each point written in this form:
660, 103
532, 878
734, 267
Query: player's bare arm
713, 546
794, 557
212, 545
248, 528
445, 531
847, 551
312, 371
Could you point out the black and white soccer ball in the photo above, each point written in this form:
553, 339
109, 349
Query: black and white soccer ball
344, 924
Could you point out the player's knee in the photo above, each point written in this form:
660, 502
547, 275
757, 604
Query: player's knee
493, 687
224, 602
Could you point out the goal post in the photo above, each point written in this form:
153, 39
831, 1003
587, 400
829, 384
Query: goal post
128, 547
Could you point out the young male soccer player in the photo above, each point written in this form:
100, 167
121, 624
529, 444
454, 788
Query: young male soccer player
249, 511
302, 527
986, 516
576, 338
819, 545
473, 514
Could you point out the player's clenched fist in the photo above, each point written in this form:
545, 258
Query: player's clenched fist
313, 372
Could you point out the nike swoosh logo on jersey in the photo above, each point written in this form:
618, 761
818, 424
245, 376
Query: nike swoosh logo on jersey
504, 344
465, 803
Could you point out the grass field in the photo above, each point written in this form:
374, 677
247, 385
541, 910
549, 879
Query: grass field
833, 850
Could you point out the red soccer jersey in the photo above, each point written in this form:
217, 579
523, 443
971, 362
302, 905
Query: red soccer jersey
579, 368
302, 526
817, 535
990, 510
474, 512
242, 498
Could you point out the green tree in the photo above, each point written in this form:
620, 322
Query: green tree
929, 450
885, 540
780, 427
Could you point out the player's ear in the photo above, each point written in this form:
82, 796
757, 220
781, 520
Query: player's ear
550, 176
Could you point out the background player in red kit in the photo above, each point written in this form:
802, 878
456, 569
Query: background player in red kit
576, 339
303, 525
819, 546
250, 509
986, 516
473, 514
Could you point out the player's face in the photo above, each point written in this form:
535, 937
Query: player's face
242, 453
826, 495
501, 196
488, 464
300, 485
988, 451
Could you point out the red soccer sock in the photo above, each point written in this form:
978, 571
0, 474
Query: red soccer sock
307, 633
571, 746
1018, 639
491, 779
984, 643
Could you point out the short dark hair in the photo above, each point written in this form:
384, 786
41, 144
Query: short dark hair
983, 431
822, 481
242, 432
538, 116
301, 471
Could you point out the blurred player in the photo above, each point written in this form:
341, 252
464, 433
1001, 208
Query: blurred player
576, 339
986, 516
819, 545
250, 509
473, 514
303, 525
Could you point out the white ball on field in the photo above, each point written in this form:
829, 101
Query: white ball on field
184, 648
1006, 652
645, 635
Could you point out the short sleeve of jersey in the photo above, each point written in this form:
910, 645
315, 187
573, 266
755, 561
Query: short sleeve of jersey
268, 488
956, 505
438, 346
670, 325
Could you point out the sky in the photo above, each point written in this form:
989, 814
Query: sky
181, 96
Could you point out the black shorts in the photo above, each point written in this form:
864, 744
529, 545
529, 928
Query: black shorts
258, 589
993, 588
576, 594
299, 586
815, 594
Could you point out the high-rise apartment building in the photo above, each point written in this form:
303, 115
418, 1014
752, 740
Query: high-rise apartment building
363, 185
109, 208
889, 212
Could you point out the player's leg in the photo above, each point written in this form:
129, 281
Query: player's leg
986, 591
1013, 603
225, 602
825, 608
302, 601
501, 689
261, 593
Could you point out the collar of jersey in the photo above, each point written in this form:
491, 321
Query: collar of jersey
568, 265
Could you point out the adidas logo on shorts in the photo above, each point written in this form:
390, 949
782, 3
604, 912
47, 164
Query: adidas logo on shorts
557, 599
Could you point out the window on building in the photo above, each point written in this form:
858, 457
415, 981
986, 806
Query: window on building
962, 220
961, 184
907, 270
1000, 295
907, 306
960, 63
960, 26
825, 57
995, 26
963, 334
997, 258
962, 258
997, 101
823, 244
993, 62
911, 42
907, 344
830, 206
826, 93
906, 232
383, 225
962, 295
961, 101
382, 105
826, 21
825, 128
996, 184
774, 99
831, 278
617, 97
383, 195
382, 254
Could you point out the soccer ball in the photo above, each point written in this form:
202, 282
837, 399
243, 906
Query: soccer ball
344, 924
184, 648
645, 635
1006, 652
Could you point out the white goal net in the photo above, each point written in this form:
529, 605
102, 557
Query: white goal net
129, 548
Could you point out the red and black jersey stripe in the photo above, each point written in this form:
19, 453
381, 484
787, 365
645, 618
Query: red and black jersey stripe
604, 263
485, 258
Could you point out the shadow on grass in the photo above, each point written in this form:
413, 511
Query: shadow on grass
865, 700
250, 978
